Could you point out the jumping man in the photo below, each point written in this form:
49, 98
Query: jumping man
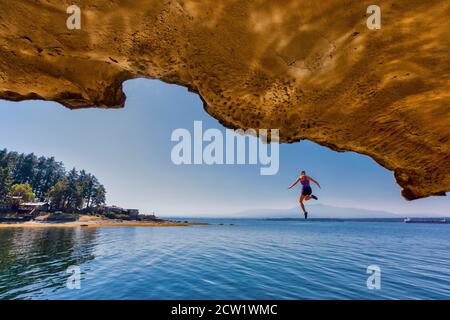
306, 190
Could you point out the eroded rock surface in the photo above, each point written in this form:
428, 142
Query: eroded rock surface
310, 68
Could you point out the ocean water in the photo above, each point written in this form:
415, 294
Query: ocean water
254, 259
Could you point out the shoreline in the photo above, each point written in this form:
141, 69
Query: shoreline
98, 223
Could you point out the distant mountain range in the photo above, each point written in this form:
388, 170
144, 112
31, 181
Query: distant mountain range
324, 211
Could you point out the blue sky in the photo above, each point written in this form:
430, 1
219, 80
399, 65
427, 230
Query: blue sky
129, 151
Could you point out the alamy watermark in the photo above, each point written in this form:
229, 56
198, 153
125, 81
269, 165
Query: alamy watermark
374, 280
229, 149
74, 20
74, 280
374, 20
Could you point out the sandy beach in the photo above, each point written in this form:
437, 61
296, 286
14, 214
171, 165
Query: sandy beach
95, 222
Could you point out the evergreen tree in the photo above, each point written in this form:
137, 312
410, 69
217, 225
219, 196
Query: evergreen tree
48, 179
74, 197
3, 155
54, 172
99, 196
25, 170
5, 183
57, 195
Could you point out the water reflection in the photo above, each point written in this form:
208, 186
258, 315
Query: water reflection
254, 259
35, 260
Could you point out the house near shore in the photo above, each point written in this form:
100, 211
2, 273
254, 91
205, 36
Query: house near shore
133, 212
25, 207
34, 207
14, 198
118, 210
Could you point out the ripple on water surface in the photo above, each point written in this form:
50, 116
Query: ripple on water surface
251, 260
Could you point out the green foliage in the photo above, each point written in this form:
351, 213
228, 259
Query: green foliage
22, 191
57, 194
5, 183
49, 180
41, 173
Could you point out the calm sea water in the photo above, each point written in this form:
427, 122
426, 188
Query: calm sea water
250, 260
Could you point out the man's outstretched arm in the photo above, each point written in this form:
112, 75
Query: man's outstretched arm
296, 181
318, 184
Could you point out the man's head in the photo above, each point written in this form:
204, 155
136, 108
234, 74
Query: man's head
303, 172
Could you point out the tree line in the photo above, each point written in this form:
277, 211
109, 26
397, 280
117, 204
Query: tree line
28, 177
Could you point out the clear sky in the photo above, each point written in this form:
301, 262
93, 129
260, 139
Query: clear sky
129, 151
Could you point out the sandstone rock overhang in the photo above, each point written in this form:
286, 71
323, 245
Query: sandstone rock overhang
310, 68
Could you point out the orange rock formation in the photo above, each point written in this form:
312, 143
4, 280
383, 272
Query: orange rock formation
310, 68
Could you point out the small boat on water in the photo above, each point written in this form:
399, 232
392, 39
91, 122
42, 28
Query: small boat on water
424, 220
